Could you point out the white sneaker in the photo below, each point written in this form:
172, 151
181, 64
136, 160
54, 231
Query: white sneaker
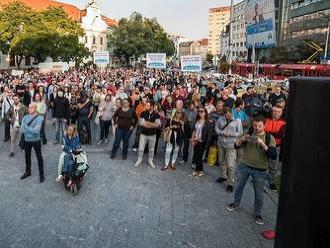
59, 178
134, 149
137, 163
99, 143
151, 164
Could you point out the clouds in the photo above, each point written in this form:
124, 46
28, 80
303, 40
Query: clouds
185, 17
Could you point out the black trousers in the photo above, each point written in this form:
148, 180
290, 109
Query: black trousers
199, 149
186, 143
37, 148
158, 133
42, 131
7, 129
104, 125
84, 121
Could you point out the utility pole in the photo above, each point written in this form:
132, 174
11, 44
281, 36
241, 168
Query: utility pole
327, 41
326, 17
230, 59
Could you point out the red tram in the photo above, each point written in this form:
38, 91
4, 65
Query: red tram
282, 71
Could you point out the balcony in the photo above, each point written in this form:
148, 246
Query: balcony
319, 38
311, 8
307, 24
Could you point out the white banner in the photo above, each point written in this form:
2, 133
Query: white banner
17, 72
156, 60
101, 58
191, 63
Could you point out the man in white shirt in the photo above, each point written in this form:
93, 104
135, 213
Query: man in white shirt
15, 116
6, 104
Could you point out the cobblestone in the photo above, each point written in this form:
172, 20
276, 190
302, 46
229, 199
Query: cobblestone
122, 206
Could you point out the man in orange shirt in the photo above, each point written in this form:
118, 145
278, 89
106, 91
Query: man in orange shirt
276, 127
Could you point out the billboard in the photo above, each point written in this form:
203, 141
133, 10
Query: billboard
191, 63
156, 60
101, 58
260, 23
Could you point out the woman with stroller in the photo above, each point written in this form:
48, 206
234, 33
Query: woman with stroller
70, 143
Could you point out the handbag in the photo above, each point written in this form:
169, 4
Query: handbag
166, 133
22, 140
97, 117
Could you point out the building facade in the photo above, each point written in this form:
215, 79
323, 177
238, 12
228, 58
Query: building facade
199, 47
218, 19
95, 27
224, 43
238, 32
304, 20
185, 48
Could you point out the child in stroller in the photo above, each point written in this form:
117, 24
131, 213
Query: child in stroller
72, 164
76, 170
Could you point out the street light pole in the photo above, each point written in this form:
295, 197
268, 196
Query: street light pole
326, 17
230, 59
327, 40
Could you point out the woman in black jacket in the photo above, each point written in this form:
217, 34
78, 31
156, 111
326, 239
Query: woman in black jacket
175, 141
201, 137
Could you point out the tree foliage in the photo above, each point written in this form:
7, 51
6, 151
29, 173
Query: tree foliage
40, 34
279, 55
209, 58
137, 35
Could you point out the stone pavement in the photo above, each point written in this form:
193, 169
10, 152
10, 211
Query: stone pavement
122, 206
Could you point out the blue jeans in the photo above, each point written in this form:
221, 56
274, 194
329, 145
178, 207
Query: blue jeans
258, 177
68, 166
124, 135
60, 127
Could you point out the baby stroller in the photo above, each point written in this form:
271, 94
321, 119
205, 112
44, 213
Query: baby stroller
76, 175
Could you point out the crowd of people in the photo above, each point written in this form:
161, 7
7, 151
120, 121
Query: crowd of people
188, 114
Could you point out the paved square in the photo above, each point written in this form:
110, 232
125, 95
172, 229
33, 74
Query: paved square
122, 206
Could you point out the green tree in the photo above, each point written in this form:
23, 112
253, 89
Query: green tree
279, 55
41, 34
137, 35
12, 19
302, 52
209, 58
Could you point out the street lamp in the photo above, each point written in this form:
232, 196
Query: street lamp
230, 34
327, 17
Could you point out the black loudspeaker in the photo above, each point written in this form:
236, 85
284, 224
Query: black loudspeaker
303, 219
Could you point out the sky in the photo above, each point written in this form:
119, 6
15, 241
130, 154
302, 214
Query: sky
183, 17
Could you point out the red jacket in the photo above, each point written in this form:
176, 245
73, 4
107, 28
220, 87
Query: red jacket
276, 128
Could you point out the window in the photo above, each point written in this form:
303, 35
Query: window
94, 40
86, 39
101, 40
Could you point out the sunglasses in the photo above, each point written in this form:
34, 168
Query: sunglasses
201, 111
